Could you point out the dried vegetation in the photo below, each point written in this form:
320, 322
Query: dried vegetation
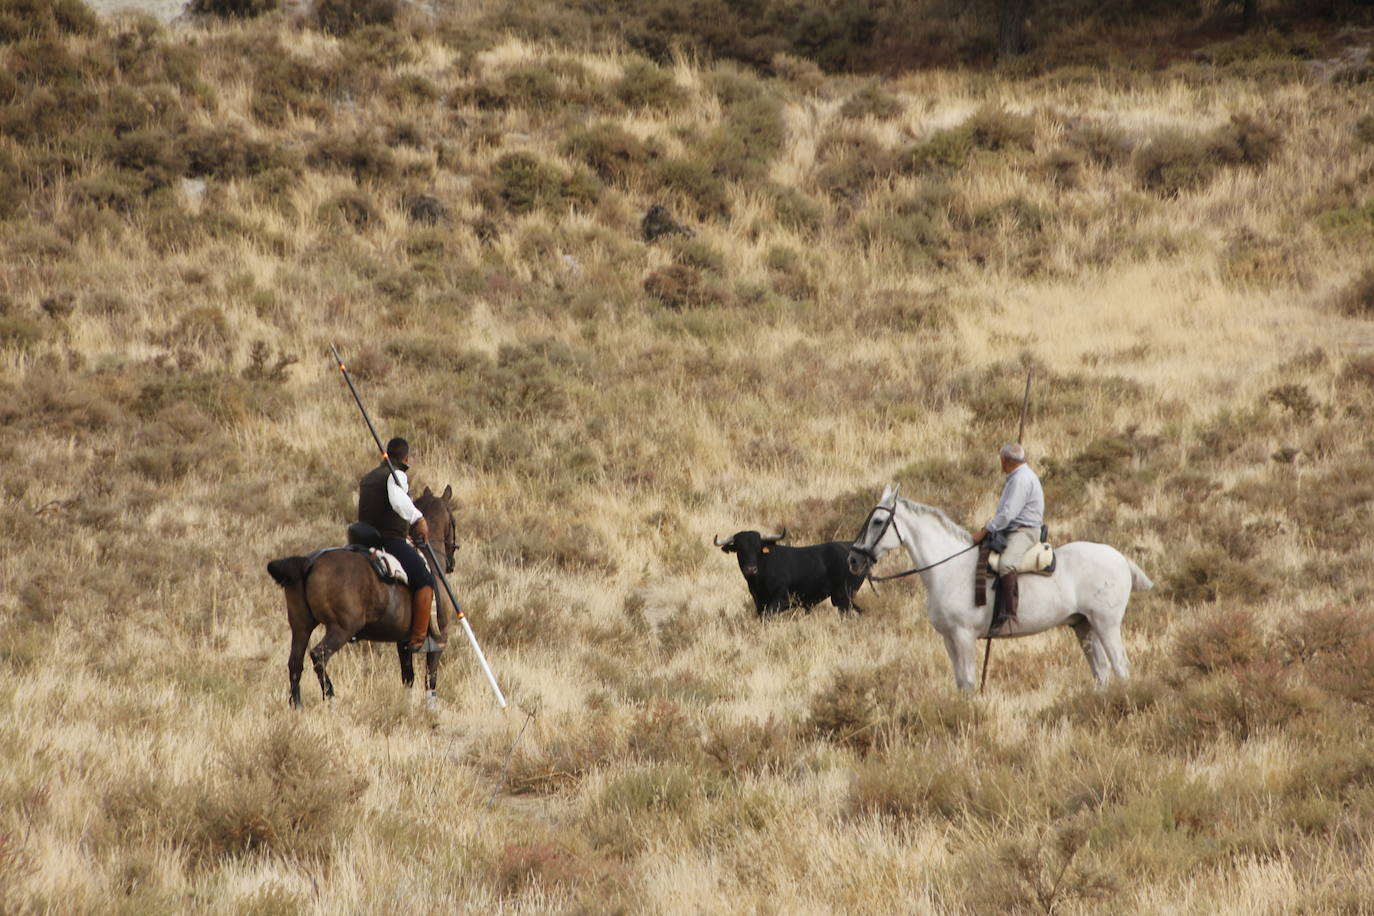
625, 297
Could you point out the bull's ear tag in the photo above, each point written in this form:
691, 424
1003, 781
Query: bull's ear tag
766, 549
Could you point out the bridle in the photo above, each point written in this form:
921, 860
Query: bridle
450, 542
868, 552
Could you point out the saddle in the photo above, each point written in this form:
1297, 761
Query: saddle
1038, 561
365, 540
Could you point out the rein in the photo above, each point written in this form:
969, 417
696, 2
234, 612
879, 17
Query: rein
921, 569
868, 552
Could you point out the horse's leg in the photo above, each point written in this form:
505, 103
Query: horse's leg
295, 664
1109, 636
432, 679
302, 625
334, 638
962, 647
407, 664
1092, 650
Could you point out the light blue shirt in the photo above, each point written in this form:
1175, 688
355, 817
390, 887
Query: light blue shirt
1023, 501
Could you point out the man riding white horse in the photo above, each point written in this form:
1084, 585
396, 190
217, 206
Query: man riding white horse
1018, 518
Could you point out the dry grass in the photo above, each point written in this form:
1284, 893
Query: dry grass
868, 269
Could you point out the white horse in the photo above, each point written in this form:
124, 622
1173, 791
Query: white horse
1088, 590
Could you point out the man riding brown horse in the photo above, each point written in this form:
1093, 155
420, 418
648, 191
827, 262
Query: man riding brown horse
385, 504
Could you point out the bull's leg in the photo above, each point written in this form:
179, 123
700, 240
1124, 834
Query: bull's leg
407, 664
1092, 650
334, 638
843, 598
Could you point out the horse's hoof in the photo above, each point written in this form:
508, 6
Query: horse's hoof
431, 701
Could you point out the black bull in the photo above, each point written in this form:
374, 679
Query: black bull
782, 577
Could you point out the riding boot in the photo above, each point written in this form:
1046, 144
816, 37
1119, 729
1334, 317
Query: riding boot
420, 603
1010, 593
1004, 605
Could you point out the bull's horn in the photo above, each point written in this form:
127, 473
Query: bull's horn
781, 537
719, 543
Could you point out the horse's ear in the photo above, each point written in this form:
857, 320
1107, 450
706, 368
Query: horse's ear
427, 492
448, 493
895, 488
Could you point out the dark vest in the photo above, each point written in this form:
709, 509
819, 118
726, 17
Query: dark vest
374, 507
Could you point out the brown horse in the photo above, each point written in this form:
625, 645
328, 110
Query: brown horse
340, 590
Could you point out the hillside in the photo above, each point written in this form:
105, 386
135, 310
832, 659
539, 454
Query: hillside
190, 216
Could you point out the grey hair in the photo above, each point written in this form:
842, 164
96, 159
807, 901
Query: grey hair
1013, 451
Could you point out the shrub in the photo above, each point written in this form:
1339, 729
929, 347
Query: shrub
796, 210
362, 155
22, 19
526, 183
343, 17
679, 287
846, 712
232, 9
945, 151
872, 102
281, 794
1357, 299
1210, 575
1223, 640
1105, 145
695, 182
1173, 162
530, 87
225, 153
646, 85
996, 129
744, 146
1364, 129
1244, 141
354, 207
617, 156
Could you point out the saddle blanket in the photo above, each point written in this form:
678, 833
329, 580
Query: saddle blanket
1039, 559
387, 566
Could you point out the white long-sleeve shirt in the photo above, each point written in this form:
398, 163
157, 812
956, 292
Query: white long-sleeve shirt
396, 493
1023, 501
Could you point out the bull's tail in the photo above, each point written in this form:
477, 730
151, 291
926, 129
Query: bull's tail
1139, 581
288, 571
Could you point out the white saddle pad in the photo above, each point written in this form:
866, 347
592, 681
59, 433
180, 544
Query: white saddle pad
1037, 559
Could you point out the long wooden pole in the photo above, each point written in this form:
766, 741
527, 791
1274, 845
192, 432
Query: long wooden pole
1020, 439
433, 560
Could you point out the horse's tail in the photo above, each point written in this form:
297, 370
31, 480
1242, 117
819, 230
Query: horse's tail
288, 571
1139, 581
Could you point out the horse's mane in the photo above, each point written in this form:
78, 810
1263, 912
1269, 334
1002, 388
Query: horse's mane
939, 515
